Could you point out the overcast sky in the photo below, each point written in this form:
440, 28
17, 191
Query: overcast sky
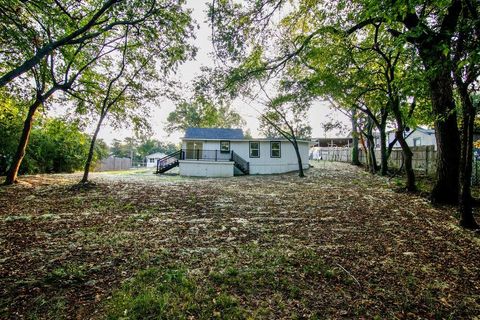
320, 112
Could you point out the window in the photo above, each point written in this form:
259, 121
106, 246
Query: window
275, 151
254, 149
194, 149
152, 160
224, 146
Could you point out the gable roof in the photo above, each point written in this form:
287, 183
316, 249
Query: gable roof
213, 133
156, 155
426, 131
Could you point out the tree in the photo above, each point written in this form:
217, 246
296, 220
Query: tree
149, 146
202, 112
56, 145
466, 70
431, 31
34, 30
119, 149
54, 73
11, 115
429, 26
285, 115
391, 57
75, 52
120, 89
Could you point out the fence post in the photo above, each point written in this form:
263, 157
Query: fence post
427, 149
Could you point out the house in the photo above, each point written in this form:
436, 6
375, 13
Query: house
333, 142
153, 158
219, 152
416, 137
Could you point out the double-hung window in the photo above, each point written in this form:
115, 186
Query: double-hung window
224, 146
254, 149
275, 149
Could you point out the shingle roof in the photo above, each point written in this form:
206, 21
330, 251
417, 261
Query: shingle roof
426, 131
156, 155
213, 133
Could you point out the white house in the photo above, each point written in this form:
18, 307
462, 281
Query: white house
416, 137
153, 158
218, 152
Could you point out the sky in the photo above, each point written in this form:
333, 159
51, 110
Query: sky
319, 113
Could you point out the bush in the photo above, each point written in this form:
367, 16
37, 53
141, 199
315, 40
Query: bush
55, 145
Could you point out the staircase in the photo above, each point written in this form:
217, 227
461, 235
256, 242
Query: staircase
168, 162
240, 163
172, 160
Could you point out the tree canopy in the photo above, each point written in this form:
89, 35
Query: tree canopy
203, 113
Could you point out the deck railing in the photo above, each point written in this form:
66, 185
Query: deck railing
172, 160
207, 155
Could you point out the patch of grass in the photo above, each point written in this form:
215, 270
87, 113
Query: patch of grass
66, 274
158, 293
140, 216
49, 216
250, 272
48, 308
18, 218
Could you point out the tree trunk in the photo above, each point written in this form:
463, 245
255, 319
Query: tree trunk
372, 166
355, 159
373, 158
22, 144
383, 150
467, 220
446, 187
407, 152
408, 156
364, 148
438, 67
88, 163
301, 174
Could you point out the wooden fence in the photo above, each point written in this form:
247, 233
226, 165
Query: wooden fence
424, 157
114, 164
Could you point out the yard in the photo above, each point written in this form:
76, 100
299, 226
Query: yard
337, 244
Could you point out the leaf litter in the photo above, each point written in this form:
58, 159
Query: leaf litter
337, 244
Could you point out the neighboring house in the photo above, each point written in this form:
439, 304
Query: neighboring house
333, 141
217, 152
153, 158
416, 138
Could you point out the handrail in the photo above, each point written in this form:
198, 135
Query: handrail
243, 164
164, 162
171, 155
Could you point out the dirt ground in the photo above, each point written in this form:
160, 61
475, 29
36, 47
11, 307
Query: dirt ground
336, 244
